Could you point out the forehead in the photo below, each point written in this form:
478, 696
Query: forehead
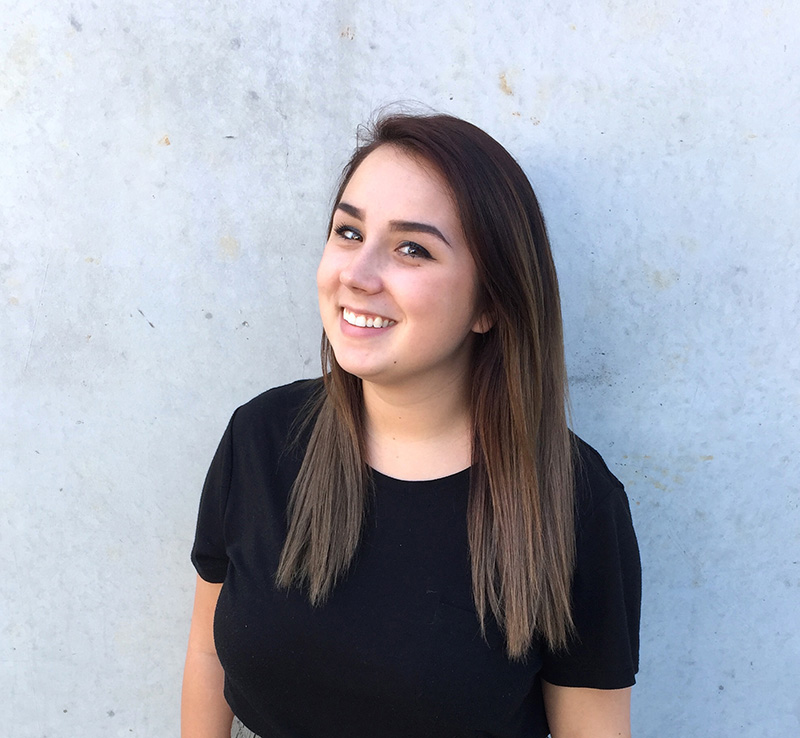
391, 178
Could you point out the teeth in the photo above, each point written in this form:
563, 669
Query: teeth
364, 321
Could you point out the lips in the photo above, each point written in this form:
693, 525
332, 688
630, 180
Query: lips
365, 320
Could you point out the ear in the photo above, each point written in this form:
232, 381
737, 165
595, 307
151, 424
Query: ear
484, 323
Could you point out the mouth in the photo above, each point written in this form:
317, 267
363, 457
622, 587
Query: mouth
366, 321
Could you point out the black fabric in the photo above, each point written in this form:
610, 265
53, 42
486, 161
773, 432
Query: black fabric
396, 650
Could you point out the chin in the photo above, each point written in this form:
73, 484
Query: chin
349, 364
357, 370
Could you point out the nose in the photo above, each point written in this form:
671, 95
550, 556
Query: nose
363, 270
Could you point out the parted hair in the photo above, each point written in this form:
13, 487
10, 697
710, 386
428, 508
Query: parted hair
521, 503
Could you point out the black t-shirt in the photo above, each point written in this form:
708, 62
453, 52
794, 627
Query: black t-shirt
396, 650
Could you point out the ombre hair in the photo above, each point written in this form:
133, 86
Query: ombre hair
521, 504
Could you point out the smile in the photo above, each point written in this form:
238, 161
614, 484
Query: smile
366, 321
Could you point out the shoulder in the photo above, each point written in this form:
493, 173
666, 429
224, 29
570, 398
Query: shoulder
284, 403
275, 416
288, 398
596, 487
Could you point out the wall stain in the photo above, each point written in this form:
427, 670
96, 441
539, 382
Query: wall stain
661, 477
602, 378
143, 315
23, 50
663, 279
20, 60
229, 248
75, 23
36, 315
164, 141
504, 85
347, 33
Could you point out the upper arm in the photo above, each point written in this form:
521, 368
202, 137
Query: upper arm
201, 632
577, 712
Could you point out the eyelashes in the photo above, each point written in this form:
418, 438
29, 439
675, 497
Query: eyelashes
348, 233
411, 249
414, 250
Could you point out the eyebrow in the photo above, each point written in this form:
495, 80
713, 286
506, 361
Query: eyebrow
397, 225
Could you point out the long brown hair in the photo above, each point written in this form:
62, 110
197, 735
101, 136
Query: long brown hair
520, 513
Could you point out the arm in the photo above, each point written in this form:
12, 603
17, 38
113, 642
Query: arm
204, 711
574, 712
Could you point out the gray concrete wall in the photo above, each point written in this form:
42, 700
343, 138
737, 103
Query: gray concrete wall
165, 172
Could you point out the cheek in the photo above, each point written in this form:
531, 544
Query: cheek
461, 297
327, 272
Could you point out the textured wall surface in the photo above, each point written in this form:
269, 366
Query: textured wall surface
165, 174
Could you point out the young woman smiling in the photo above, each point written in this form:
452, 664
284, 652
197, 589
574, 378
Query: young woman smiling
415, 545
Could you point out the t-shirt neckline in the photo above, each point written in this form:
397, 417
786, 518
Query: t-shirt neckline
456, 480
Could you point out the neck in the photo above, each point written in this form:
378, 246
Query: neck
419, 433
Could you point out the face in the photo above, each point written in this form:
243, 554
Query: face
398, 290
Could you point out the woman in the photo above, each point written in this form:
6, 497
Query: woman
416, 545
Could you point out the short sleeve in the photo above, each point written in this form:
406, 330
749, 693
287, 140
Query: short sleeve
208, 553
606, 601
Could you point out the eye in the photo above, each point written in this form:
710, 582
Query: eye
414, 250
348, 233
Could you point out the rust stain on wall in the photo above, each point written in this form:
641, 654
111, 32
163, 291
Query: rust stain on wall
229, 248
